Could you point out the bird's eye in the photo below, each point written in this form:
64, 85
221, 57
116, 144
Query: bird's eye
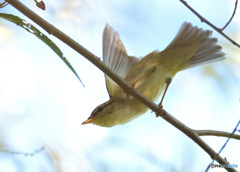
100, 109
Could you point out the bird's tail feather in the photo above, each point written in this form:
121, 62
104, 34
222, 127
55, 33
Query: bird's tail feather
207, 50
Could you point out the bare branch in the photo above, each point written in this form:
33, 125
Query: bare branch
209, 23
123, 84
24, 153
217, 133
235, 129
234, 11
3, 4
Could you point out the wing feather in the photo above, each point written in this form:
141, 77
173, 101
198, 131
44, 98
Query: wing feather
115, 57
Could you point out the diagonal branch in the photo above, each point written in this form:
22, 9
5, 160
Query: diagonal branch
123, 84
210, 24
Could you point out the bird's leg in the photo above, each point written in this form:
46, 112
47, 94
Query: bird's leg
145, 75
168, 81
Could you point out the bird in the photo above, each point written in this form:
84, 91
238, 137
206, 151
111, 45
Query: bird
151, 74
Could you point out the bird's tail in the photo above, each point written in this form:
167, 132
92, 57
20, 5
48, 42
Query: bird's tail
191, 47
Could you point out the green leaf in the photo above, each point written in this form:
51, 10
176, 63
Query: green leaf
30, 28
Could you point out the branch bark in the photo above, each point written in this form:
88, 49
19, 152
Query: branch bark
123, 84
210, 24
234, 11
217, 133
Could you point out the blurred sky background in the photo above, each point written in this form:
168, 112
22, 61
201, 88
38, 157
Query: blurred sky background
42, 103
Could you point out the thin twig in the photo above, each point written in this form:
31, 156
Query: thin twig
209, 23
235, 129
24, 153
123, 84
234, 11
217, 133
3, 4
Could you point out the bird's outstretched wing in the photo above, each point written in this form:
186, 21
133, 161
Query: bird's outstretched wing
115, 57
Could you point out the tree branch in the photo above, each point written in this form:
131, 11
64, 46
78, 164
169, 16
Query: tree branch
235, 129
234, 11
217, 133
210, 24
24, 153
123, 84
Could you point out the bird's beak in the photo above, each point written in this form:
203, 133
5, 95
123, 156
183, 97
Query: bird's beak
88, 121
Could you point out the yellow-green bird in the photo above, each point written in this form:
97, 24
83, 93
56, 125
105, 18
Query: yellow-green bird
151, 74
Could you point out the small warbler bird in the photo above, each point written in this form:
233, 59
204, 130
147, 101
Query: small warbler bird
149, 75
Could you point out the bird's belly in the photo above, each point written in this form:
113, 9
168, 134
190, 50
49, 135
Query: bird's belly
152, 86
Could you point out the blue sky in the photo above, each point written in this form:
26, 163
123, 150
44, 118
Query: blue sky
43, 104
